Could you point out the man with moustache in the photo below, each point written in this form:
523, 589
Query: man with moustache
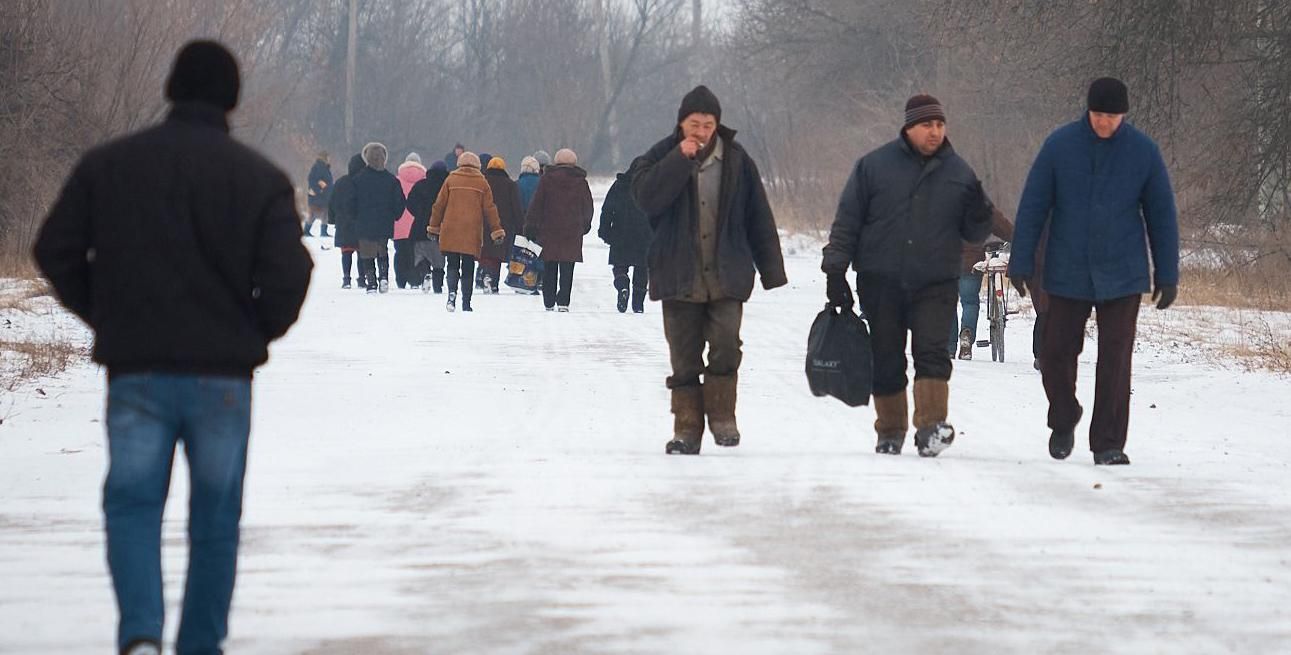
903, 217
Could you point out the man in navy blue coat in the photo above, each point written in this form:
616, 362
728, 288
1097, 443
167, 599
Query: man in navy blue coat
1102, 189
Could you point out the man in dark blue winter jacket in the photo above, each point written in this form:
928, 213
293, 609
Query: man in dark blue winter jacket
1101, 188
902, 220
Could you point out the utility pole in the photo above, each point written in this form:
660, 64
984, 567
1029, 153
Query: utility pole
350, 52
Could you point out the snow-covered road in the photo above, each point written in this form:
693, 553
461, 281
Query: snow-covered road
494, 482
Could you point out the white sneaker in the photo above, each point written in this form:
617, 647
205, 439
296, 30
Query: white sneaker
144, 649
426, 284
384, 286
563, 308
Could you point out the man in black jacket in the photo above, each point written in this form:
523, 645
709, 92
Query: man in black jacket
626, 230
712, 227
901, 223
181, 249
377, 202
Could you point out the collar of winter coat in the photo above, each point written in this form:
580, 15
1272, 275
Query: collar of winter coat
944, 151
571, 169
496, 172
1089, 129
413, 164
199, 113
469, 171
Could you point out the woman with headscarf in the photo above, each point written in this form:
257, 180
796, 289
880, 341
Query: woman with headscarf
457, 220
558, 217
506, 195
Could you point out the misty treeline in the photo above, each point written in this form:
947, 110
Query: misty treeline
809, 84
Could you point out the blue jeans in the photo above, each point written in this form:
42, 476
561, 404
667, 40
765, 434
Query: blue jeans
970, 289
148, 414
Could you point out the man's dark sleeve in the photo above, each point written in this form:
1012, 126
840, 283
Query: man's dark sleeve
282, 265
764, 238
975, 225
656, 184
63, 249
417, 203
845, 234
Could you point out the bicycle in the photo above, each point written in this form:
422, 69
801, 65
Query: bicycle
995, 266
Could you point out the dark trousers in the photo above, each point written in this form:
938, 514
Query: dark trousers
1037, 334
924, 313
461, 269
403, 273
347, 262
557, 283
689, 326
1064, 339
639, 283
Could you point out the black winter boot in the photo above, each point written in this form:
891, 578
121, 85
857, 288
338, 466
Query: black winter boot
638, 301
1111, 458
437, 279
1062, 441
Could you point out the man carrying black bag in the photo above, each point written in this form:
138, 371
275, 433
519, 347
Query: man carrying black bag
901, 219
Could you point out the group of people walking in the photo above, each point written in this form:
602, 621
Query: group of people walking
466, 210
689, 223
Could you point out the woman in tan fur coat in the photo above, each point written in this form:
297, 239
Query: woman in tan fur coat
457, 221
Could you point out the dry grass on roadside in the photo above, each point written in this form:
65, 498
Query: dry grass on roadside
21, 361
1263, 286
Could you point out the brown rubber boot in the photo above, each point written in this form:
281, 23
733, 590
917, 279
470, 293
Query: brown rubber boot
688, 420
892, 422
719, 404
932, 434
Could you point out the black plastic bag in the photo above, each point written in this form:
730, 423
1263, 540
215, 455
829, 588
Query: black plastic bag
839, 361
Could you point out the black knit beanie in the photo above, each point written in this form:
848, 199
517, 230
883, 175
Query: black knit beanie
923, 107
700, 101
1108, 95
206, 72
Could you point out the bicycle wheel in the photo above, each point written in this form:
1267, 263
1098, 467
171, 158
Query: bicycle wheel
997, 340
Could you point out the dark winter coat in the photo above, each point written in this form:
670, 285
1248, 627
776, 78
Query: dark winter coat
561, 213
463, 211
972, 253
320, 184
420, 201
341, 206
506, 195
664, 185
905, 218
1107, 204
624, 226
377, 203
528, 184
179, 247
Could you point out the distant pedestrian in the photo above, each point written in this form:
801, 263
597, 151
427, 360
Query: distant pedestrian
713, 229
1101, 188
411, 171
427, 259
181, 249
626, 230
506, 195
378, 202
464, 206
558, 218
450, 160
964, 334
319, 194
528, 181
543, 159
340, 210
